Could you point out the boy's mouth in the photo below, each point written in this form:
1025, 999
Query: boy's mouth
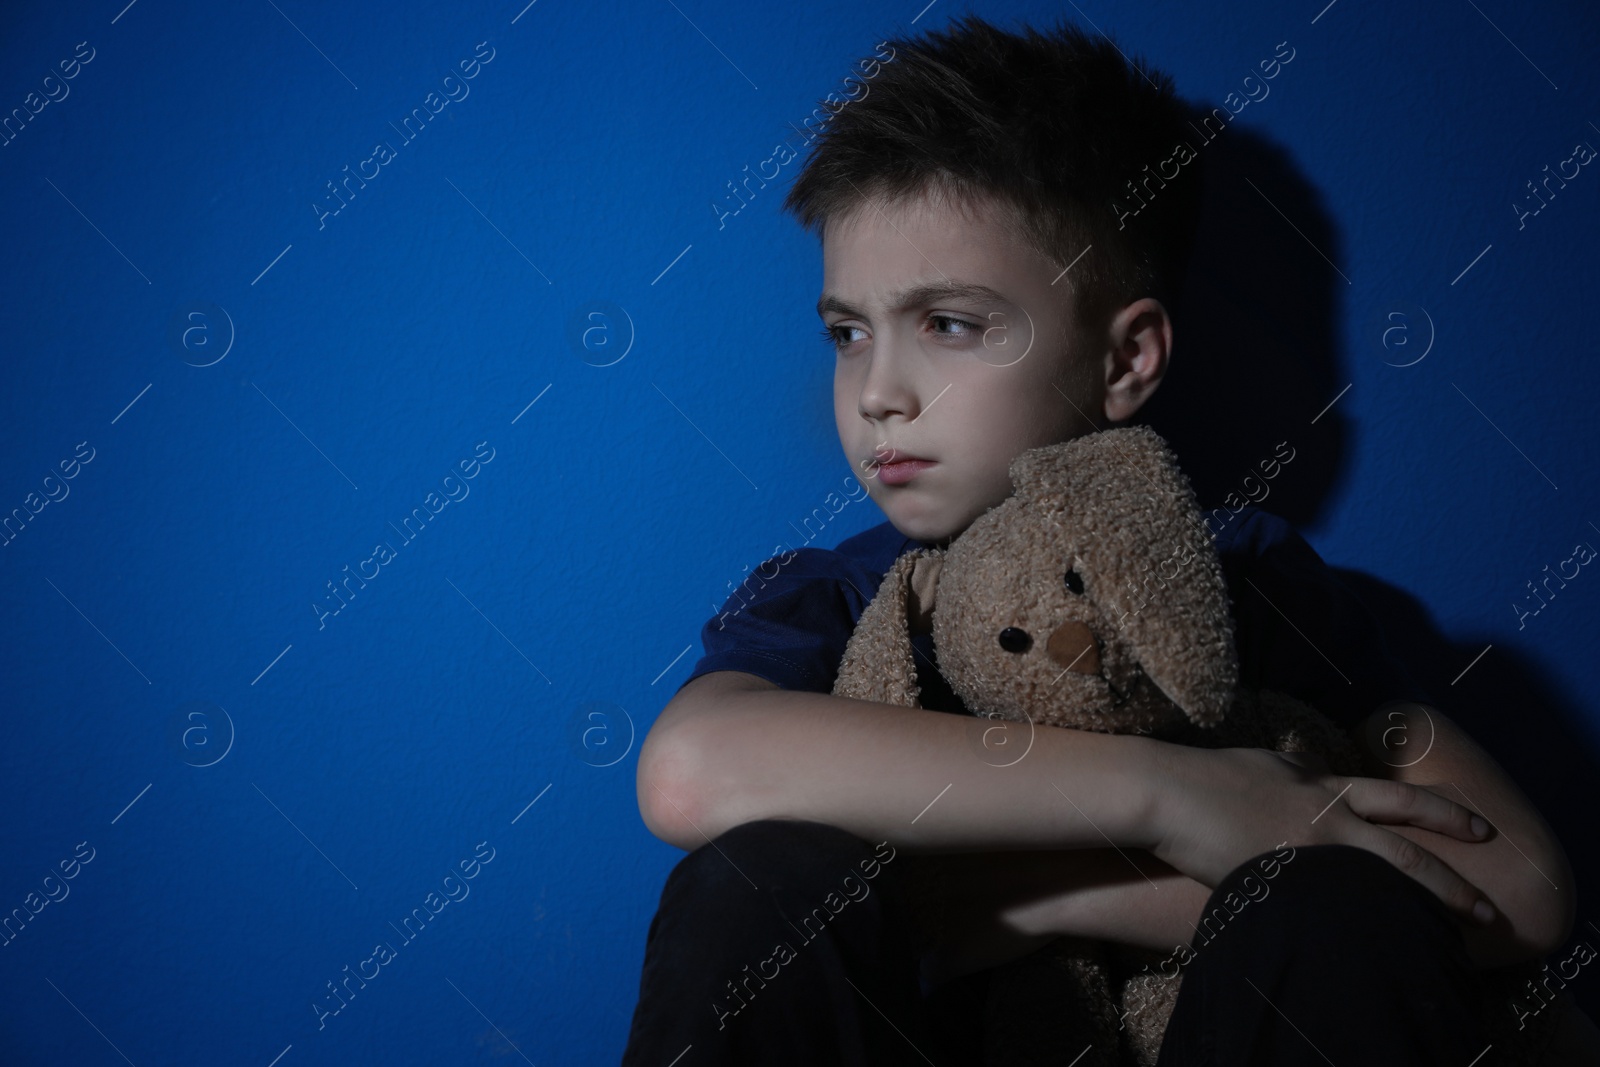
902, 470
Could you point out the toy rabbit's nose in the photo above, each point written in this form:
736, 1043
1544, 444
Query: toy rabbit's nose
1073, 645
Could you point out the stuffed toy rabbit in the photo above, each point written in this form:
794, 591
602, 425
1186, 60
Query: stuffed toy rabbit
1093, 598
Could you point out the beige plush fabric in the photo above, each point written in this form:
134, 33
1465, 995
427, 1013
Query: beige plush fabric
1093, 599
1113, 508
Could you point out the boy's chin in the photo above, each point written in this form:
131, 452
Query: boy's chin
928, 528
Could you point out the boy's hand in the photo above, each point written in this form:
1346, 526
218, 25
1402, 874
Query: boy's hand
998, 906
1217, 808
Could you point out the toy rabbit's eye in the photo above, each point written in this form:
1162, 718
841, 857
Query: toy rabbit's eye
1015, 640
1074, 583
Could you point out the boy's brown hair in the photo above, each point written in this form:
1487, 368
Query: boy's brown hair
1058, 127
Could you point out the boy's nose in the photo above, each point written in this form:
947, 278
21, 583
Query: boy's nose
887, 389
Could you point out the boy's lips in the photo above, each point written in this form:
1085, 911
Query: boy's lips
902, 469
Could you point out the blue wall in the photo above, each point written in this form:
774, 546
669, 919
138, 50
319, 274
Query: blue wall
231, 386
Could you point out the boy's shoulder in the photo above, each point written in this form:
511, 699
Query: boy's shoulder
790, 618
1241, 539
1249, 531
1298, 628
1246, 533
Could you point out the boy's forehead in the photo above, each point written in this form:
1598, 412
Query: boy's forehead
926, 210
926, 248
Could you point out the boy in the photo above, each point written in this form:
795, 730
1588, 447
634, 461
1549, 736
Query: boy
984, 294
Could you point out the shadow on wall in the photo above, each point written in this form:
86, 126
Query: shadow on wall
1256, 333
1532, 729
1257, 347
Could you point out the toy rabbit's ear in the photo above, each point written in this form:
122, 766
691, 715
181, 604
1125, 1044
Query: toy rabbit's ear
1039, 471
1149, 562
877, 663
1060, 469
922, 587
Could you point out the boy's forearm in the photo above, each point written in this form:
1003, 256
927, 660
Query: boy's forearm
916, 778
1127, 896
1131, 897
1006, 904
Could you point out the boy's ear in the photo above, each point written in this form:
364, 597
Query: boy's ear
1138, 351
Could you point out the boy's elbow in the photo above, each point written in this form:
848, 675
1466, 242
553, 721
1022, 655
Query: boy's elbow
680, 799
665, 784
1554, 908
1543, 906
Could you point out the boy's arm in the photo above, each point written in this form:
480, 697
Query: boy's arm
1003, 905
1522, 868
731, 748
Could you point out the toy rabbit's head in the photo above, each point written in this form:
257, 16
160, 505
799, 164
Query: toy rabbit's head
1092, 597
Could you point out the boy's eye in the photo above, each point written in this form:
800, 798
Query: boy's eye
967, 328
1074, 583
831, 338
946, 326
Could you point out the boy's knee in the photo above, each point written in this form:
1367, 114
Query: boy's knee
794, 853
1330, 886
801, 833
797, 842
1334, 873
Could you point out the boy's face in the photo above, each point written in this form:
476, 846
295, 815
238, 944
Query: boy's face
968, 381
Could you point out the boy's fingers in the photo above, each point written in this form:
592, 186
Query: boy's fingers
1380, 800
1438, 877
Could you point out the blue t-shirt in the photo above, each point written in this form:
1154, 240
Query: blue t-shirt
1298, 630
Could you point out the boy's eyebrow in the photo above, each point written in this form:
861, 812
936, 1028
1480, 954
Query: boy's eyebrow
915, 296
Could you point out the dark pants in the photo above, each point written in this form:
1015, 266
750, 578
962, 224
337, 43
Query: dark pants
771, 945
